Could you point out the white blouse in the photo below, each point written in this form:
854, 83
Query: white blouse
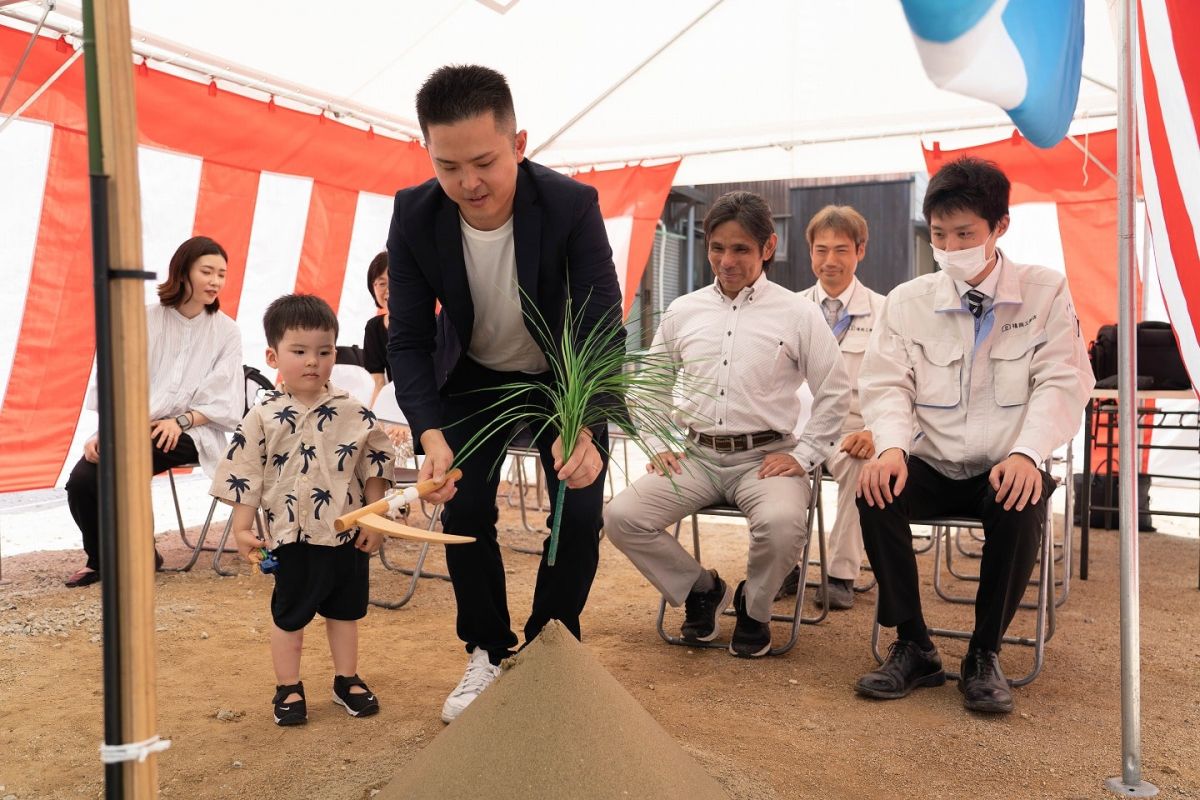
194, 365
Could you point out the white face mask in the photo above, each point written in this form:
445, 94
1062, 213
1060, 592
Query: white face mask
962, 265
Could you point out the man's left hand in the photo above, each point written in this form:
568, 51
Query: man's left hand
859, 445
780, 465
1017, 481
584, 465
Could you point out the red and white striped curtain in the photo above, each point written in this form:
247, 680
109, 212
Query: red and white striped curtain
1168, 119
300, 202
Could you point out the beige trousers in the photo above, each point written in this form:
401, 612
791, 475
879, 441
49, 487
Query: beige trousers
844, 541
776, 510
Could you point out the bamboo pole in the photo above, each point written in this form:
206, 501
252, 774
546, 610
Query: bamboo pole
129, 574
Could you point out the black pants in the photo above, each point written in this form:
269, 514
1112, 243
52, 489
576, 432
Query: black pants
83, 491
1009, 552
476, 569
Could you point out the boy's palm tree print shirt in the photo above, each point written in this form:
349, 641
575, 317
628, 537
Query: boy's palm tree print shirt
304, 466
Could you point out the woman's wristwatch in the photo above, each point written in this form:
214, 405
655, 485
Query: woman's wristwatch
183, 421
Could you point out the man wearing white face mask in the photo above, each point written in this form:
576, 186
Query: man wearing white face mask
985, 362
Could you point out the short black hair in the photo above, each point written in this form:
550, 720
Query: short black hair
747, 209
305, 312
968, 184
378, 267
462, 91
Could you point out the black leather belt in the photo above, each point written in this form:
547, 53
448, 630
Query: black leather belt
734, 444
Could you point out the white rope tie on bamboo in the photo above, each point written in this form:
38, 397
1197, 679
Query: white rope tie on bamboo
134, 751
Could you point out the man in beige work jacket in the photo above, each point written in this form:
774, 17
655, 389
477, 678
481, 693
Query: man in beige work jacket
837, 242
974, 376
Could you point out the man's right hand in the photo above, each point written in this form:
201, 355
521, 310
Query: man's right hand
91, 450
666, 460
437, 462
875, 481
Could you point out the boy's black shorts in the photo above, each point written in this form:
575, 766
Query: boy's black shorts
316, 579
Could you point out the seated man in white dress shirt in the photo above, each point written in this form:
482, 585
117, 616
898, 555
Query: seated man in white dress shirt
741, 348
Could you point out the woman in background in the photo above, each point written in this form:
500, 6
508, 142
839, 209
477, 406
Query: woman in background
197, 387
375, 335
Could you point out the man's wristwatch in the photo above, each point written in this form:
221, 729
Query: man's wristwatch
183, 421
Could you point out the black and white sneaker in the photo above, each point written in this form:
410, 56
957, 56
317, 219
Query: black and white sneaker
290, 713
751, 638
701, 610
357, 704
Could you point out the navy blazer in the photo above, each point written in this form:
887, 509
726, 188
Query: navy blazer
562, 252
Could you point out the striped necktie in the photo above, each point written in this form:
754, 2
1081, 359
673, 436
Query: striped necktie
832, 308
975, 302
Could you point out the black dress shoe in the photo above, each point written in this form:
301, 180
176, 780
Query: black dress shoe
158, 560
84, 577
906, 668
983, 685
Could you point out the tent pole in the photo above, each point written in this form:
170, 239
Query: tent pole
126, 534
1130, 783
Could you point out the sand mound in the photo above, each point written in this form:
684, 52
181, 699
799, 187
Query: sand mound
554, 725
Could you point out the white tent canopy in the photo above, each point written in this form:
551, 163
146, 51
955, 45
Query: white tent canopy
744, 89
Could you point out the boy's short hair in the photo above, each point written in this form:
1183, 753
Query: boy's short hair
968, 184
462, 91
305, 312
747, 209
840, 219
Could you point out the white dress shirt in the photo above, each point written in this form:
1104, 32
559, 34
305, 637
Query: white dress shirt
194, 365
1018, 384
740, 363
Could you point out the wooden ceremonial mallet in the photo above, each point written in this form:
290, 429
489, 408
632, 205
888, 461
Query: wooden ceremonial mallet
371, 516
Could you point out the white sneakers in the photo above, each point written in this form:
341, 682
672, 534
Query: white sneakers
479, 675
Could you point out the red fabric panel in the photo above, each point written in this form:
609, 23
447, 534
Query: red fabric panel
179, 114
326, 246
57, 339
1089, 241
1061, 174
225, 212
640, 192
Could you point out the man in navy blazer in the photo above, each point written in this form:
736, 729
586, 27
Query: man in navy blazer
498, 241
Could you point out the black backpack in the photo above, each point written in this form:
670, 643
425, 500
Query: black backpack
1103, 352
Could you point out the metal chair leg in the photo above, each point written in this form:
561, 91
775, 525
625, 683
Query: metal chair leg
199, 546
416, 573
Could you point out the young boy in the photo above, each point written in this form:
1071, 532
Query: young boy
307, 455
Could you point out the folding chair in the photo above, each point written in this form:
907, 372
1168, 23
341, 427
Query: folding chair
408, 477
1044, 622
795, 619
255, 381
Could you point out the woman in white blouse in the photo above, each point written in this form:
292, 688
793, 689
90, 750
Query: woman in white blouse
197, 389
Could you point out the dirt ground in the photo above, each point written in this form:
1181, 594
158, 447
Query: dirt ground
785, 727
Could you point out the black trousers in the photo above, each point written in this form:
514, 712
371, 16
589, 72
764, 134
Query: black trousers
83, 491
1009, 552
476, 569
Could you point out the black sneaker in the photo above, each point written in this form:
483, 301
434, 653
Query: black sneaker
701, 610
751, 638
791, 584
293, 713
906, 668
356, 705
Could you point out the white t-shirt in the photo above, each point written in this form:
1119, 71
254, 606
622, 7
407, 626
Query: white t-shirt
499, 339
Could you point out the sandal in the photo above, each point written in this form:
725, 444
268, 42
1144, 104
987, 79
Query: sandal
293, 713
361, 704
84, 577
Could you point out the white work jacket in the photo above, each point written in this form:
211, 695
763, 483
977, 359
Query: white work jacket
858, 318
964, 402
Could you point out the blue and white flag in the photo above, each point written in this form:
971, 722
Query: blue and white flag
1023, 55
